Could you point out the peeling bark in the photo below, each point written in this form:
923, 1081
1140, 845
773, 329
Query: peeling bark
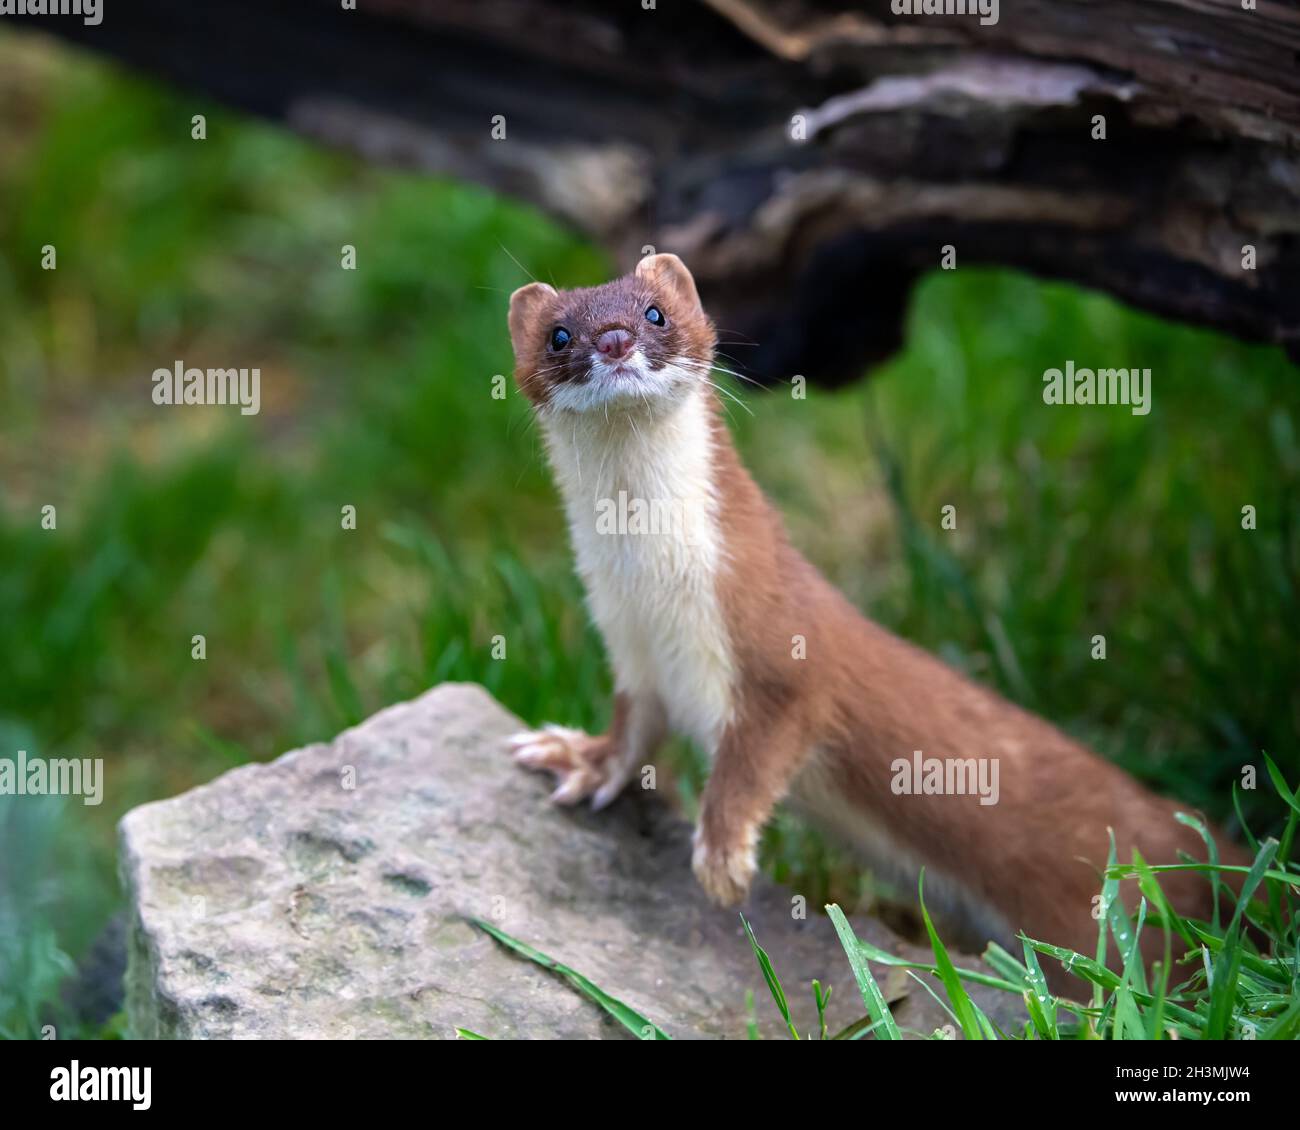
676, 127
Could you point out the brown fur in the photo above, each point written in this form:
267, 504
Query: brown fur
864, 697
825, 729
587, 312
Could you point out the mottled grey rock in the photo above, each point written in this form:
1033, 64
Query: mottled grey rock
326, 895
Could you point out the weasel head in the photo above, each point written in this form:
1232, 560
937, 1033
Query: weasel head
637, 343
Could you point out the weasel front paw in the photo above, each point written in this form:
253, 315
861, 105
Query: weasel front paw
583, 766
725, 872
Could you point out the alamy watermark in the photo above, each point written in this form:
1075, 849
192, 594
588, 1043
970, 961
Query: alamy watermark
987, 10
683, 519
1100, 386
947, 776
179, 385
76, 1083
90, 11
72, 776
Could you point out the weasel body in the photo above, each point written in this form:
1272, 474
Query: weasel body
654, 596
718, 628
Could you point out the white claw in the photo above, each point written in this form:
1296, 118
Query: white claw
564, 752
569, 792
609, 791
530, 754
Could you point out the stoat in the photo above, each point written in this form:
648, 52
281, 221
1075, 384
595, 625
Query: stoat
718, 629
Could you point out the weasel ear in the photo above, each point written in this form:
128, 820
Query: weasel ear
670, 273
525, 309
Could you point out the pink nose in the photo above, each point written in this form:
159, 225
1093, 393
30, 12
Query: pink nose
614, 345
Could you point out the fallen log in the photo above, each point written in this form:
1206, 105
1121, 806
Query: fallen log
812, 158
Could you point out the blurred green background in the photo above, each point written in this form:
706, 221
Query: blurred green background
376, 392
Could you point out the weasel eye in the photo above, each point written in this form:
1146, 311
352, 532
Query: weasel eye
560, 337
654, 316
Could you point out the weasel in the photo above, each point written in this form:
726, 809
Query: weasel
718, 629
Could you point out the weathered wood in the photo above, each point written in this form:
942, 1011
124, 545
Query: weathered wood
810, 158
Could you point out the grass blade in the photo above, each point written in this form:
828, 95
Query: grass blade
973, 976
632, 1020
872, 997
1040, 1002
773, 982
822, 999
966, 1012
1109, 893
1213, 849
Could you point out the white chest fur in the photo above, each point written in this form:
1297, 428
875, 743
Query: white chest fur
642, 510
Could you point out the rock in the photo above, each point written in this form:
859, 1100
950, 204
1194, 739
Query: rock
326, 895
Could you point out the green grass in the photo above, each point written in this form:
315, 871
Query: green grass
623, 1014
1217, 981
376, 390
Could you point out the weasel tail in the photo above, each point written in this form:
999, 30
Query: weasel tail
717, 628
